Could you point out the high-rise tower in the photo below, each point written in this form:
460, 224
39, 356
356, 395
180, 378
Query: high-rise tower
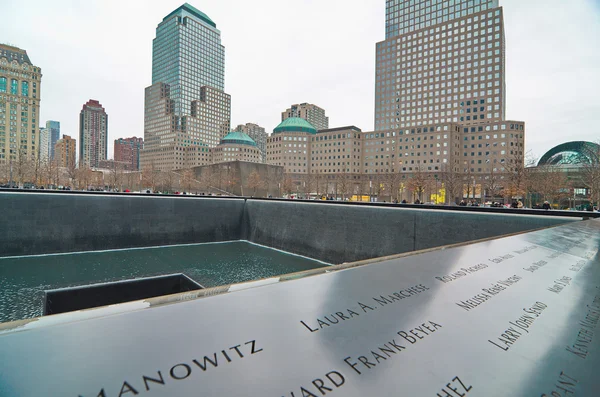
441, 90
185, 106
93, 134
442, 61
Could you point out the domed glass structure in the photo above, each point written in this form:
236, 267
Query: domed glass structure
572, 153
238, 138
295, 124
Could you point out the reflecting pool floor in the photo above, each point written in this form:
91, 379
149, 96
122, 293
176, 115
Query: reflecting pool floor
23, 280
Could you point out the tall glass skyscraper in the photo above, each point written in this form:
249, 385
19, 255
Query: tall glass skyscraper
185, 107
53, 131
187, 54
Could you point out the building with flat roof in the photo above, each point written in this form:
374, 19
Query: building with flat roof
20, 93
440, 93
127, 151
65, 152
309, 112
93, 134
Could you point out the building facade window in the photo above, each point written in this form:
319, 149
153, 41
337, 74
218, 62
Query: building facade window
24, 88
14, 87
2, 84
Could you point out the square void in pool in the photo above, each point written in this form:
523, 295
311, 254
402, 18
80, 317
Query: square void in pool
24, 279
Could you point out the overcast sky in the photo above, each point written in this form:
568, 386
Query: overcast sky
279, 52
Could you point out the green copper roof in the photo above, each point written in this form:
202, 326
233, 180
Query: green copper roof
195, 12
238, 138
295, 124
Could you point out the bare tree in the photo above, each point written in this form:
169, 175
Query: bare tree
493, 184
73, 174
344, 184
188, 179
22, 166
116, 175
150, 176
453, 183
418, 183
288, 185
550, 183
308, 185
255, 181
516, 173
168, 180
233, 179
205, 179
321, 183
85, 176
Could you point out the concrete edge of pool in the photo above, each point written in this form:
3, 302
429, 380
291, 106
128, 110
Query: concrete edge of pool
103, 311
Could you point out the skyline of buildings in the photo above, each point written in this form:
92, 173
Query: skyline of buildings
449, 63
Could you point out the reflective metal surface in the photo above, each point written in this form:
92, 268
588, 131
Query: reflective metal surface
516, 316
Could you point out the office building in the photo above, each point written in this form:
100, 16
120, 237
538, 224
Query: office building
186, 109
127, 151
440, 92
258, 135
289, 146
53, 128
309, 112
93, 134
20, 93
65, 152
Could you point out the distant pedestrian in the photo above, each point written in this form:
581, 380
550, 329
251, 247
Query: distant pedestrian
546, 206
462, 203
519, 204
404, 201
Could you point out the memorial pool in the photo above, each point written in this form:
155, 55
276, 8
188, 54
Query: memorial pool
24, 279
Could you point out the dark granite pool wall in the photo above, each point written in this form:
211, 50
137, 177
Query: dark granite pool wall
340, 233
40, 223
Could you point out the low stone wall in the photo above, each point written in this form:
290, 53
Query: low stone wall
340, 233
42, 223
